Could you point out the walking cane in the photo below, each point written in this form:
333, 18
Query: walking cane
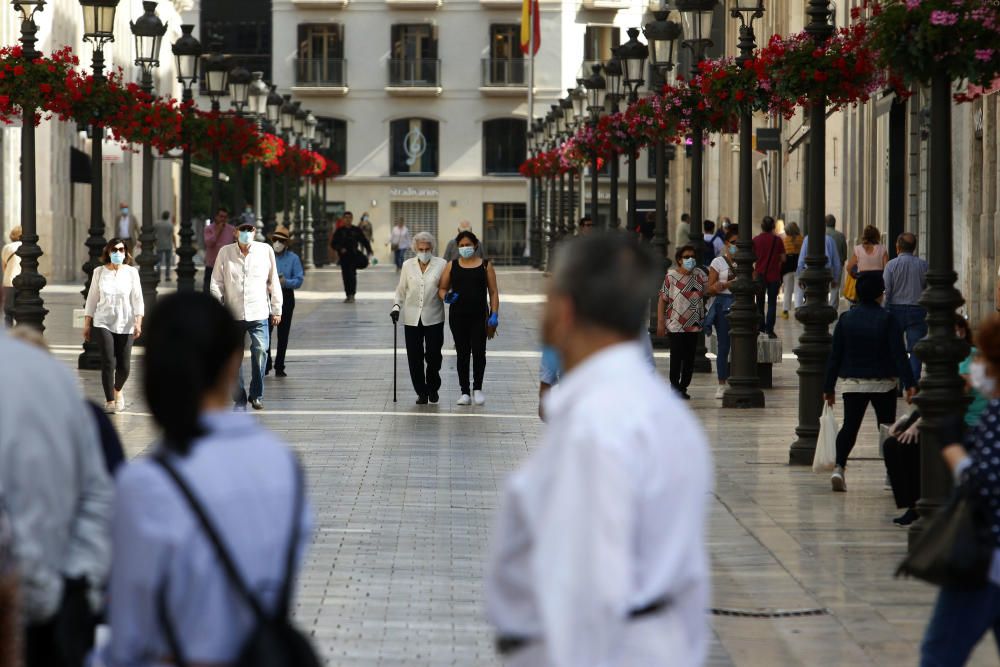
395, 350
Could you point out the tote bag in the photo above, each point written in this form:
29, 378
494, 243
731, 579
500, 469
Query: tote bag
825, 456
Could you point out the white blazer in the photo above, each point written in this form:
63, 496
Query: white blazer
417, 292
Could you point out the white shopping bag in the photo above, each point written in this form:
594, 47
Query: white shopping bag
825, 456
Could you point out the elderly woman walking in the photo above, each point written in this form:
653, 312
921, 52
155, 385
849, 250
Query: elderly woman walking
423, 317
114, 314
869, 358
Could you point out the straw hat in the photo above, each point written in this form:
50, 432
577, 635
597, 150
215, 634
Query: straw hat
280, 233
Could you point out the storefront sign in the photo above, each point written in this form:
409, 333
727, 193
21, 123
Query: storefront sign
413, 192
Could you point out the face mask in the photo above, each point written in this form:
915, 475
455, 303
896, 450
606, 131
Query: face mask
732, 250
245, 237
981, 382
467, 251
117, 258
124, 212
278, 246
689, 263
424, 257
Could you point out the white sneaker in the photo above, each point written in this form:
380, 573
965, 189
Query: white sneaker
120, 401
464, 400
721, 391
837, 481
478, 397
110, 407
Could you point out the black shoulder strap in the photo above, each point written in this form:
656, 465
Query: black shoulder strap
285, 601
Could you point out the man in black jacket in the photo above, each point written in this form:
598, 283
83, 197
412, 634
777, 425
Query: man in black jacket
353, 247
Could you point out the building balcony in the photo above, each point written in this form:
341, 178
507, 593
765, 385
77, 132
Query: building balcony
504, 76
414, 77
320, 76
413, 4
607, 4
320, 4
501, 4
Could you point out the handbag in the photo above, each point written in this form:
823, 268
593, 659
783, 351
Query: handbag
850, 287
950, 551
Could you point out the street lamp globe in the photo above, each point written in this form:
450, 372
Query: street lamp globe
632, 55
239, 87
662, 35
569, 119
310, 126
747, 8
216, 71
696, 15
274, 102
257, 94
579, 97
557, 120
187, 53
596, 88
614, 76
148, 32
28, 8
299, 120
327, 141
287, 114
99, 21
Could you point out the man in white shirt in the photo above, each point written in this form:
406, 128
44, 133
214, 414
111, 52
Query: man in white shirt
599, 555
245, 279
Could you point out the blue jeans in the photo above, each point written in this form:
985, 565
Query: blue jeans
259, 343
723, 303
400, 255
767, 321
959, 620
913, 320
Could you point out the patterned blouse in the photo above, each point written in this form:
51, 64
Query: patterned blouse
982, 473
684, 294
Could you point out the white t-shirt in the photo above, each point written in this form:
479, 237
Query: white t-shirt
725, 273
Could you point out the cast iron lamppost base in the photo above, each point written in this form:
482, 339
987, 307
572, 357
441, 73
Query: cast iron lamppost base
29, 309
187, 53
817, 314
744, 385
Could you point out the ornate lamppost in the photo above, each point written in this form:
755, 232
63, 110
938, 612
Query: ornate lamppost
550, 227
596, 88
569, 208
614, 76
310, 134
98, 29
257, 97
216, 85
299, 128
187, 53
287, 119
744, 384
29, 308
578, 96
148, 32
239, 97
816, 314
272, 115
632, 55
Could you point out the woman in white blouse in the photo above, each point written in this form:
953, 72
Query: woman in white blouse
423, 317
721, 274
114, 318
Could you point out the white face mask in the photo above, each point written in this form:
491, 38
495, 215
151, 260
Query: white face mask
982, 382
278, 246
424, 257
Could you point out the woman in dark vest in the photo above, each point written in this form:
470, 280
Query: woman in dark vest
464, 287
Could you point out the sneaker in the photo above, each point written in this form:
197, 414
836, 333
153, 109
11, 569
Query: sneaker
837, 481
110, 407
421, 400
256, 403
784, 314
239, 406
478, 397
464, 399
434, 398
721, 391
908, 517
280, 372
686, 396
120, 401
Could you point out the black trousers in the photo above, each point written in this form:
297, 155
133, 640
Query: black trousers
349, 272
207, 285
902, 462
423, 349
116, 359
682, 352
284, 328
855, 405
469, 332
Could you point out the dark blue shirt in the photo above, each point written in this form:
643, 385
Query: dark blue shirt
868, 344
982, 475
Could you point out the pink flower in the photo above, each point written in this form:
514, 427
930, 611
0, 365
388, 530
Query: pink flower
984, 54
943, 18
912, 4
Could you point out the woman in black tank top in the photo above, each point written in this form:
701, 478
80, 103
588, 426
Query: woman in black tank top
465, 285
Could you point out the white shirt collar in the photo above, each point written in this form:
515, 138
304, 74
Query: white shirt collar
590, 375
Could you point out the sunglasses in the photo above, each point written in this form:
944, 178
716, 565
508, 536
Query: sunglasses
119, 248
687, 257
246, 228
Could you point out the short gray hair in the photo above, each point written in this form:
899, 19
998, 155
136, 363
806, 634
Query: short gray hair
425, 237
610, 278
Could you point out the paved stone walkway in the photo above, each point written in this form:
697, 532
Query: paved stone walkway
404, 497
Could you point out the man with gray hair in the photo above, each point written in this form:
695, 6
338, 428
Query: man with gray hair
905, 278
586, 568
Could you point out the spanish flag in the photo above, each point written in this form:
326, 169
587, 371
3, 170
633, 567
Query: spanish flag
529, 19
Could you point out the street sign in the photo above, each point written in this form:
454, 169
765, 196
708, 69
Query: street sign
768, 139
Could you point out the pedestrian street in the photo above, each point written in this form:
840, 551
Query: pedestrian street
404, 496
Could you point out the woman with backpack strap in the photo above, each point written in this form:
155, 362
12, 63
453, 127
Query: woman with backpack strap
207, 535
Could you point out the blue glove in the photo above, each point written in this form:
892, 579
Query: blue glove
450, 297
494, 320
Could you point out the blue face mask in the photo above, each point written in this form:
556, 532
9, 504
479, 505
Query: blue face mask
467, 251
246, 237
732, 250
689, 263
117, 258
124, 212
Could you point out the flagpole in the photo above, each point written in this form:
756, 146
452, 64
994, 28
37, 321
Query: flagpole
531, 120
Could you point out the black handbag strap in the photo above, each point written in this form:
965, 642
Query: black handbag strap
228, 565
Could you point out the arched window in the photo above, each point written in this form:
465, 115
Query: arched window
505, 146
414, 147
